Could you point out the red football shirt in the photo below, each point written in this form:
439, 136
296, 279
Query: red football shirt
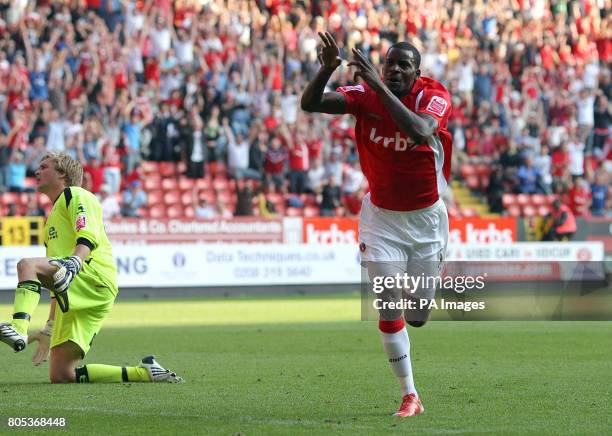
402, 175
97, 177
298, 157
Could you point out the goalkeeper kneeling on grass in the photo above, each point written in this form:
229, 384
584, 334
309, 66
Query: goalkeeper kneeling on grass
80, 272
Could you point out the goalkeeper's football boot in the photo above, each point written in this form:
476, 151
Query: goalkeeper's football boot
411, 406
157, 372
12, 337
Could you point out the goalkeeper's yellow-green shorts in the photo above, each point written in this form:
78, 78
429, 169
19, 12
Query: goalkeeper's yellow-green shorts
90, 302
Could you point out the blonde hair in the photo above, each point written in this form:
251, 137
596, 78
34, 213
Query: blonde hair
71, 169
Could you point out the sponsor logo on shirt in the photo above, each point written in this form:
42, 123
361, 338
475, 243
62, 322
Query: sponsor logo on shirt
400, 143
52, 233
80, 222
437, 106
352, 88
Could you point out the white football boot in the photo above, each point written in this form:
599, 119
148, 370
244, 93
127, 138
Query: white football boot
12, 337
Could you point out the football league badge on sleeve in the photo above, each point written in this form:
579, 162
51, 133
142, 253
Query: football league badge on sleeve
81, 222
437, 105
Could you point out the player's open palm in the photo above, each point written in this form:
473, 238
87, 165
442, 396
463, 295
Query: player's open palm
329, 53
43, 337
42, 351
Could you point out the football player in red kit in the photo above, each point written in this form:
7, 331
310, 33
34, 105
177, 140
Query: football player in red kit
405, 153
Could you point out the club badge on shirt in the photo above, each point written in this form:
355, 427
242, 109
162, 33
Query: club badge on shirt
437, 106
80, 222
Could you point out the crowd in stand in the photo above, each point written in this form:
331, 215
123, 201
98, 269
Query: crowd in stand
115, 82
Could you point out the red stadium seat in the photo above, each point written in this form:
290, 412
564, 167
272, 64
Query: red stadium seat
472, 182
209, 195
187, 197
279, 208
310, 211
523, 199
550, 198
173, 198
514, 211
508, 200
538, 199
189, 212
275, 198
225, 196
149, 167
529, 211
168, 184
468, 170
220, 183
309, 199
30, 182
167, 169
468, 212
294, 211
181, 167
152, 181
155, 197
23, 198
157, 211
204, 183
217, 168
483, 170
232, 184
453, 212
43, 200
543, 210
175, 211
10, 198
186, 183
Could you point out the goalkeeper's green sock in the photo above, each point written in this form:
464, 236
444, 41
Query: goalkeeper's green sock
97, 373
27, 296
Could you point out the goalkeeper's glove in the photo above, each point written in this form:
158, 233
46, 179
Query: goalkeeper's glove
67, 269
43, 336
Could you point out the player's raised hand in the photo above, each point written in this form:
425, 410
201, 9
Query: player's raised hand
329, 53
366, 70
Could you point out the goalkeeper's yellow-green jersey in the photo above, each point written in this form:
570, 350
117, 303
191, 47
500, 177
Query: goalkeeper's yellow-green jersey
76, 218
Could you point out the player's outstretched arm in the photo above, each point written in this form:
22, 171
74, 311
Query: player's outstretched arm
313, 98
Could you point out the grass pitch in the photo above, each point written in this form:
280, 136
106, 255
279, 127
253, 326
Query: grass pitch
306, 365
